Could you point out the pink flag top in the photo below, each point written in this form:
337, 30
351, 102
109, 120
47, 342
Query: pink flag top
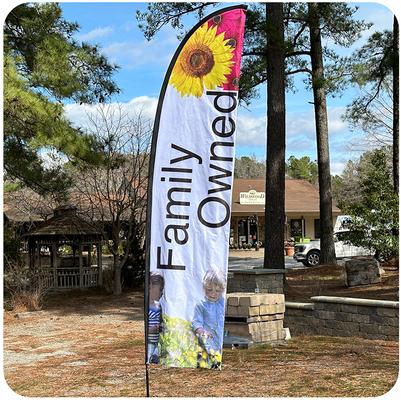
228, 23
190, 189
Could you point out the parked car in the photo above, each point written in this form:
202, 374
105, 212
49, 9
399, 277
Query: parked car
309, 253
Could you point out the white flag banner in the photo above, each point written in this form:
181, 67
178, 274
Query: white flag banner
191, 174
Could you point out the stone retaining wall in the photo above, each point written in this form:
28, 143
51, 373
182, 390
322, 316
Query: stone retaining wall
344, 316
255, 280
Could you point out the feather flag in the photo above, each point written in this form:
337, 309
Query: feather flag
189, 202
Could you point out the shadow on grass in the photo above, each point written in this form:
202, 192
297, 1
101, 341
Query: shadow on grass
96, 301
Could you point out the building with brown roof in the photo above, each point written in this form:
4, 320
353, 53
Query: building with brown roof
301, 210
247, 212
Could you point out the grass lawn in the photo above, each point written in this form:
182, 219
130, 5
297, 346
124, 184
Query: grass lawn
90, 344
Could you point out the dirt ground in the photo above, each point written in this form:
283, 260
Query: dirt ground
90, 344
329, 280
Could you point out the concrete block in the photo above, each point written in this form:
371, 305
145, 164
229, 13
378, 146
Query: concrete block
323, 314
387, 312
366, 310
232, 300
348, 308
253, 311
369, 328
237, 329
243, 311
268, 309
361, 318
232, 311
343, 316
392, 321
261, 318
377, 319
388, 330
250, 300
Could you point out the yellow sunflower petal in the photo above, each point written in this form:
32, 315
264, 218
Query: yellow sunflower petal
204, 62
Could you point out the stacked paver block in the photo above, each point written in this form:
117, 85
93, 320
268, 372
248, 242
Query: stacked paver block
258, 317
362, 271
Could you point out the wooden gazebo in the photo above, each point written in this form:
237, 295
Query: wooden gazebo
82, 268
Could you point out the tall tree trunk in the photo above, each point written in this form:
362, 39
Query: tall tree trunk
396, 100
327, 250
117, 287
275, 158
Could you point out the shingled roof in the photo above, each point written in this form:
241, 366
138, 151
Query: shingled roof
300, 197
65, 224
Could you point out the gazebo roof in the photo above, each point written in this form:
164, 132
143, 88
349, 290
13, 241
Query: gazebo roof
64, 224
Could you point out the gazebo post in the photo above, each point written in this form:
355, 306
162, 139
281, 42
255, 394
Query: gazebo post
90, 254
31, 249
38, 256
99, 263
81, 276
54, 265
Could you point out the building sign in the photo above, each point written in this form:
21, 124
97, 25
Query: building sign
252, 197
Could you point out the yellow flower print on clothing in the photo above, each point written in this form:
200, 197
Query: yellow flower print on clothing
204, 61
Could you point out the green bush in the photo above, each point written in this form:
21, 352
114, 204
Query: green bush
374, 214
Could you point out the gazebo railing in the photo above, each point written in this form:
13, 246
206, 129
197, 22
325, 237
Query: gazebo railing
69, 277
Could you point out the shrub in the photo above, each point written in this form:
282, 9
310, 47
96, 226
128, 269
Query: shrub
26, 290
374, 214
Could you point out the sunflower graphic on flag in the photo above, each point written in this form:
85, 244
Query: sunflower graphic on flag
209, 59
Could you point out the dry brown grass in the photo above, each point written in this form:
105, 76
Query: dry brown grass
28, 300
90, 344
329, 280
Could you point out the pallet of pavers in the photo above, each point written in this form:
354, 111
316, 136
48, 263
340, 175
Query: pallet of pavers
255, 316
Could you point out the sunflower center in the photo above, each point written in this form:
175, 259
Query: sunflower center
200, 61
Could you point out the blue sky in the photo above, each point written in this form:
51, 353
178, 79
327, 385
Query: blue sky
143, 64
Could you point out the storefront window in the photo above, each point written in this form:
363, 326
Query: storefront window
296, 227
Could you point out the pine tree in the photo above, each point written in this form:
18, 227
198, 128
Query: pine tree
302, 168
43, 66
376, 110
374, 211
332, 20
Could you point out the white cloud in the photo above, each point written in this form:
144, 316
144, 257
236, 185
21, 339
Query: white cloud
143, 105
251, 130
300, 125
132, 54
336, 168
301, 135
52, 158
304, 122
129, 26
95, 33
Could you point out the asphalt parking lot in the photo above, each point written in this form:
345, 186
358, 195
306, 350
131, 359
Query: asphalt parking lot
235, 262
